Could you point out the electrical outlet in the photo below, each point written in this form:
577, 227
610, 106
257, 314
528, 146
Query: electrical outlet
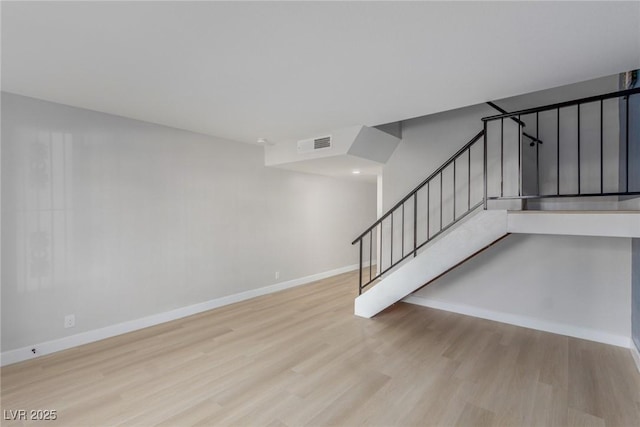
277, 274
69, 320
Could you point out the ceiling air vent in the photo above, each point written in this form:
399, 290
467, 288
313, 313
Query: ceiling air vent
322, 143
314, 144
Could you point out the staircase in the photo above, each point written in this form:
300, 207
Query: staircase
480, 230
459, 209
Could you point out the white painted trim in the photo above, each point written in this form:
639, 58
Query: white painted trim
601, 223
636, 355
524, 321
48, 347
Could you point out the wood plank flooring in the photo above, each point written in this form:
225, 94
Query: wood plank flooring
300, 357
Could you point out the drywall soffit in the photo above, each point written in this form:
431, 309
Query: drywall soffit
361, 148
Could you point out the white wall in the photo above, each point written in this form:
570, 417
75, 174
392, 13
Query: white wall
575, 283
114, 219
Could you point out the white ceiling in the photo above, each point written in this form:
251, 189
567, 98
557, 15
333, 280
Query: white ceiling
292, 70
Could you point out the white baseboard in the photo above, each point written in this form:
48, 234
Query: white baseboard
636, 355
48, 347
524, 321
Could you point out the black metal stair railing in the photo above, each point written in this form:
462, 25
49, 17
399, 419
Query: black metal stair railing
494, 166
446, 196
532, 138
579, 158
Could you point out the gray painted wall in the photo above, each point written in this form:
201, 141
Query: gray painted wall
635, 292
114, 219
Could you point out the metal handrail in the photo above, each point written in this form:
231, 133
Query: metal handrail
420, 186
503, 111
520, 122
459, 159
576, 156
586, 100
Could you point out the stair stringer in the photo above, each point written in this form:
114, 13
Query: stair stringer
460, 243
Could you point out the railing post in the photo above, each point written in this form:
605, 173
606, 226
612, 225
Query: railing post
360, 285
558, 151
485, 164
501, 157
371, 254
537, 154
402, 229
415, 223
579, 175
391, 240
626, 155
601, 147
454, 190
519, 158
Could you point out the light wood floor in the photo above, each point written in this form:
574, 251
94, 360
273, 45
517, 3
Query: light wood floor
300, 357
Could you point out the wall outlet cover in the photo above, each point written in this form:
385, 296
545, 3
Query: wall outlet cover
69, 320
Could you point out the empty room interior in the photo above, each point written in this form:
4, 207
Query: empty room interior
320, 213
